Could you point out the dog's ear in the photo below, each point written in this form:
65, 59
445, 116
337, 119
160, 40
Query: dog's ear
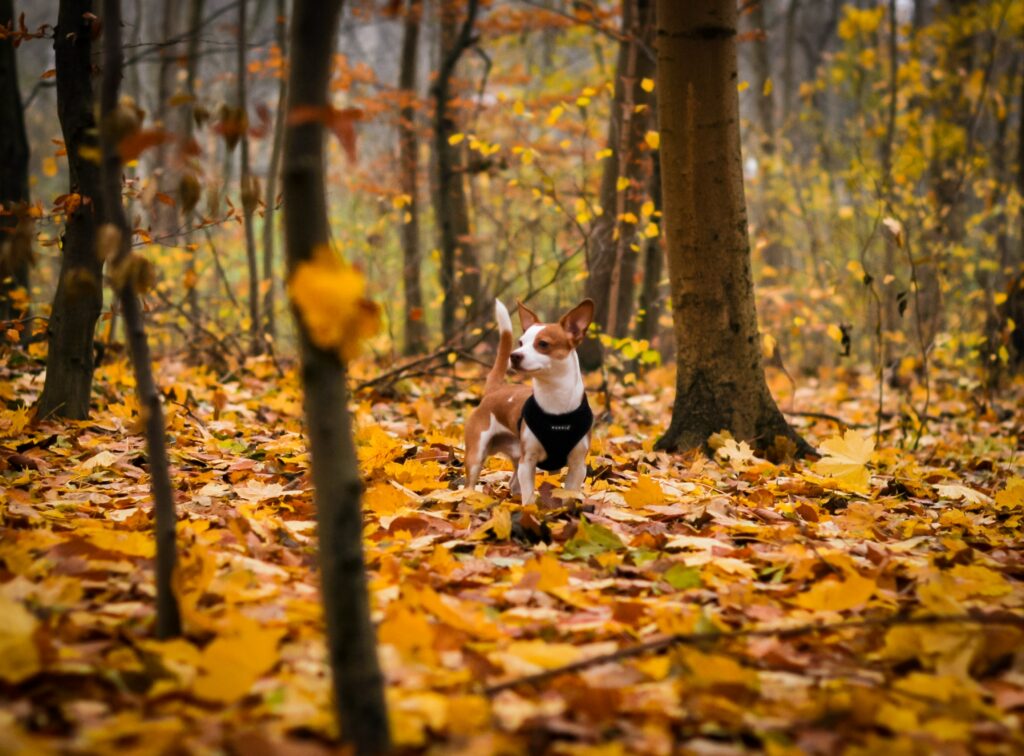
577, 320
527, 316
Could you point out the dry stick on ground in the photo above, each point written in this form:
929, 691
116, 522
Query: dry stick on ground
358, 683
126, 270
663, 644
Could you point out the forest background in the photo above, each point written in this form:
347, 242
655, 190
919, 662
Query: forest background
511, 150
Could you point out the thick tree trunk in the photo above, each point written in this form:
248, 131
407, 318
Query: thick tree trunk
451, 208
15, 227
270, 195
613, 247
720, 383
358, 684
79, 297
250, 188
415, 336
168, 618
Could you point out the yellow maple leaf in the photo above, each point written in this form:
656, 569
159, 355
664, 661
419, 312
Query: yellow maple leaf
845, 460
552, 574
19, 656
233, 662
653, 139
1012, 497
542, 654
330, 298
645, 491
837, 595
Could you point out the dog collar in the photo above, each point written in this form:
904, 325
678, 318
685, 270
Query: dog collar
558, 434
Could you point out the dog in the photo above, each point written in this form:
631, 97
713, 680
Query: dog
547, 425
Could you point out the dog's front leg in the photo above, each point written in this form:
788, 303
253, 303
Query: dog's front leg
525, 474
577, 465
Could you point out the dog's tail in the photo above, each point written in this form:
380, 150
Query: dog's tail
496, 378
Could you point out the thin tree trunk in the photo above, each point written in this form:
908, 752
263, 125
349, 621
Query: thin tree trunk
249, 187
358, 683
1020, 179
720, 382
270, 196
890, 306
788, 67
168, 618
15, 226
774, 252
415, 337
79, 297
164, 216
654, 265
450, 204
611, 264
195, 17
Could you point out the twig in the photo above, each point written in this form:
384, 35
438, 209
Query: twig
825, 416
664, 643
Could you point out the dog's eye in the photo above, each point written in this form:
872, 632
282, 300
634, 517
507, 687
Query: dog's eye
542, 344
520, 342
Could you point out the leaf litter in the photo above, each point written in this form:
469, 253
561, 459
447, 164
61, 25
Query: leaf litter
723, 605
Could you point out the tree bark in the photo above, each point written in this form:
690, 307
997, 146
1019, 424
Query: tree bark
415, 336
270, 196
720, 382
358, 684
165, 216
195, 17
15, 226
250, 189
613, 254
451, 207
79, 296
168, 618
654, 265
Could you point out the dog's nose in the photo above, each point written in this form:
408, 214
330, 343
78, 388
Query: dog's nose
517, 359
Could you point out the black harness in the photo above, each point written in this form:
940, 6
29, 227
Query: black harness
558, 434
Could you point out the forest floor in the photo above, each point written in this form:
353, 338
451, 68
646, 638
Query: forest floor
870, 602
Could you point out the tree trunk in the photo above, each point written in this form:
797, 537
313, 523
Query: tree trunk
270, 196
654, 265
415, 336
165, 216
788, 67
125, 266
79, 297
720, 382
15, 226
613, 250
250, 188
358, 684
195, 18
451, 207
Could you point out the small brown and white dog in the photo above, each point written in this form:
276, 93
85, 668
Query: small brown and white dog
546, 425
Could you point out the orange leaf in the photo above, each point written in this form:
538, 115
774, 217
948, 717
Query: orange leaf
135, 144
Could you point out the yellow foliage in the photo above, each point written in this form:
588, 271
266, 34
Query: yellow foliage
845, 460
19, 654
330, 298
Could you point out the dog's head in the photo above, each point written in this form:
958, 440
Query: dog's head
544, 346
